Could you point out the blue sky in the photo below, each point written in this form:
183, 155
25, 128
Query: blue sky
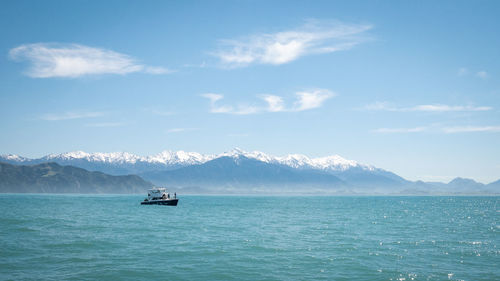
411, 87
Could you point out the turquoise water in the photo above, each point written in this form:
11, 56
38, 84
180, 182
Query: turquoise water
68, 237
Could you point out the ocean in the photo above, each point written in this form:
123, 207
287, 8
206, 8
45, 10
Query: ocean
113, 237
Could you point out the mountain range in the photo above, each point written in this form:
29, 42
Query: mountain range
238, 171
121, 163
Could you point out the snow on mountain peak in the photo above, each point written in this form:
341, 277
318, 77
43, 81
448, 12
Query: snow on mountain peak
237, 152
109, 157
300, 161
294, 161
179, 157
68, 155
335, 161
14, 157
173, 158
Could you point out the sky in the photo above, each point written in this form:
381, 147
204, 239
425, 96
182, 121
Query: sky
412, 87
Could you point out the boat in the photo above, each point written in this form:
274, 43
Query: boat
160, 196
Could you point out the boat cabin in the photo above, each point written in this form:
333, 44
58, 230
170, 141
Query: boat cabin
158, 194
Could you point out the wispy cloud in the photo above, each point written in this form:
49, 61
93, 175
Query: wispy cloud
199, 65
239, 110
305, 100
471, 129
384, 106
463, 71
440, 129
71, 115
275, 103
105, 124
180, 130
158, 70
444, 108
311, 99
73, 60
482, 74
315, 37
216, 108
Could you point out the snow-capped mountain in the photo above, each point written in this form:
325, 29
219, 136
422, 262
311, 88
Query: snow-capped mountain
158, 167
114, 157
168, 157
173, 159
299, 161
13, 158
165, 157
239, 171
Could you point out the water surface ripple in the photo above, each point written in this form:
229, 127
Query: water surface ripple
102, 237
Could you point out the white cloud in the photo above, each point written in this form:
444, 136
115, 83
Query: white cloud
180, 130
275, 103
444, 108
312, 99
199, 65
213, 97
379, 105
315, 37
305, 100
482, 74
240, 110
213, 107
74, 60
70, 115
425, 107
471, 129
105, 124
440, 129
157, 70
400, 130
246, 109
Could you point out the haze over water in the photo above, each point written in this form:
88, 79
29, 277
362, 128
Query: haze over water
105, 237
